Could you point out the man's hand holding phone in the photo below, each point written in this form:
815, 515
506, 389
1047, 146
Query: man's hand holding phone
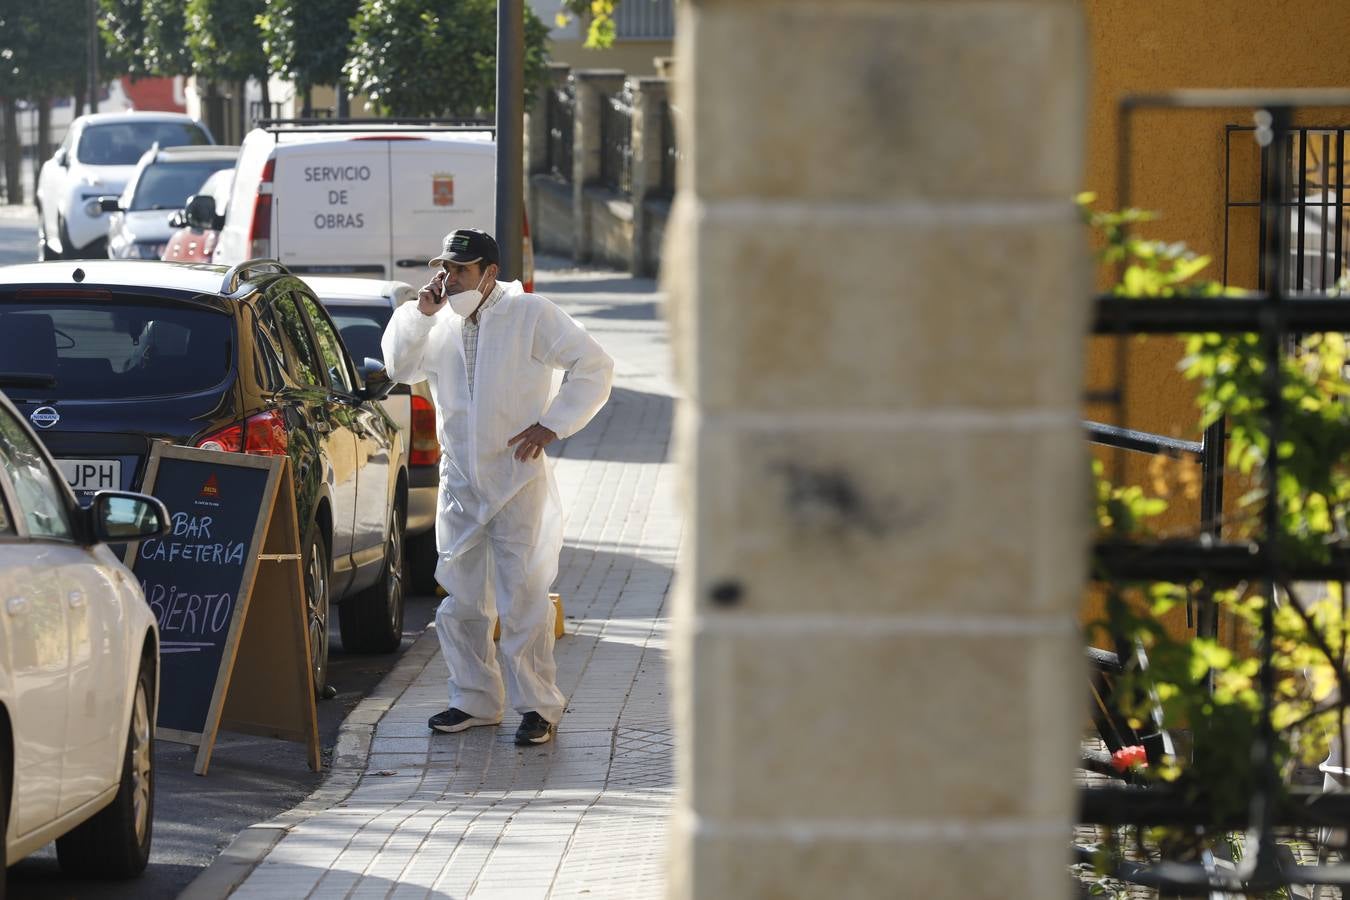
432, 295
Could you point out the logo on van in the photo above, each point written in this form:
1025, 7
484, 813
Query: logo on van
443, 189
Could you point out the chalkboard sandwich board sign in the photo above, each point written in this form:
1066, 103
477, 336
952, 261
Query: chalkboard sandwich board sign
226, 586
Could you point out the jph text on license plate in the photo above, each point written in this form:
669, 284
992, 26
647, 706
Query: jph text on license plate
92, 474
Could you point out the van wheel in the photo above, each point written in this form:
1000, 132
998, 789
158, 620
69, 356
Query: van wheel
422, 559
115, 843
318, 584
372, 621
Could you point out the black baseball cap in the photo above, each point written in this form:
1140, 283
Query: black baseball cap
467, 245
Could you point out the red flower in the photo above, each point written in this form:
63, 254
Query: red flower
1128, 758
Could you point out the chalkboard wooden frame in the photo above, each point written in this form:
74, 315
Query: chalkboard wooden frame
264, 684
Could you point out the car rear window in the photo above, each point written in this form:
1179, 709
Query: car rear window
112, 350
123, 143
361, 328
168, 185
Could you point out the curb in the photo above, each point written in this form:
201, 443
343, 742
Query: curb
251, 846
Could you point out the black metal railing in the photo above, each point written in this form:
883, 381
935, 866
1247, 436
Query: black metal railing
616, 141
669, 150
560, 111
1310, 225
1274, 317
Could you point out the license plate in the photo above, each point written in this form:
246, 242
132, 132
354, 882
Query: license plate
90, 475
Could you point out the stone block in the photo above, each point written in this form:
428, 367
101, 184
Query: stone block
884, 101
893, 520
822, 726
829, 312
1018, 867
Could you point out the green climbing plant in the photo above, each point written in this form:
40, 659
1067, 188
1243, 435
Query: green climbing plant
1312, 500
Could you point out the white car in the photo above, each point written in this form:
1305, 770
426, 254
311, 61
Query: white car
143, 217
361, 309
96, 160
79, 667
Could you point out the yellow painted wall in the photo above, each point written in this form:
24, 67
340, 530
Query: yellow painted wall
1178, 163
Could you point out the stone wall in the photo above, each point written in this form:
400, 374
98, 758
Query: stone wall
878, 325
573, 212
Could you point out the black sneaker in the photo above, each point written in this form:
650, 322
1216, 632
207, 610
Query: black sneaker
534, 729
453, 720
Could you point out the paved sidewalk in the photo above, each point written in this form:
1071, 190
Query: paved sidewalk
472, 815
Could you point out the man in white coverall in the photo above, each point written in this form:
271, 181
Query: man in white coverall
489, 355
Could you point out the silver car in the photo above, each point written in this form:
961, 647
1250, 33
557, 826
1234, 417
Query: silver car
361, 309
144, 217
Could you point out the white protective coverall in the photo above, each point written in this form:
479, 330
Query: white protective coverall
499, 526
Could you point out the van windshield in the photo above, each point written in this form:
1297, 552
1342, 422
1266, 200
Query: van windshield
70, 350
123, 143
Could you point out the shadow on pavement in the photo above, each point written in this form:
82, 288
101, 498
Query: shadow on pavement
648, 414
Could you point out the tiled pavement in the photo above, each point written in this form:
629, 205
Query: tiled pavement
471, 815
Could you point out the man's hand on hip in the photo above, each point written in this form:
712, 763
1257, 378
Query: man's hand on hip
532, 441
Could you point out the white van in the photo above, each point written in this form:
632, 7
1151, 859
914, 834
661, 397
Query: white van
362, 200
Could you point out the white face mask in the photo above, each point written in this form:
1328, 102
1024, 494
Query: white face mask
465, 302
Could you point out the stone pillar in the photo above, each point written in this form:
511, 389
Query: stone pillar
649, 95
879, 298
592, 86
536, 119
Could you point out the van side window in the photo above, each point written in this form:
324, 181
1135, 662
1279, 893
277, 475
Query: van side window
284, 319
330, 346
35, 482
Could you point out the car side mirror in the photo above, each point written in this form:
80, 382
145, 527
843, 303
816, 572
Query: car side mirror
377, 381
118, 517
200, 211
62, 158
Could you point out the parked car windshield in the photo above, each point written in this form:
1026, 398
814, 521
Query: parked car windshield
123, 143
168, 185
113, 350
361, 328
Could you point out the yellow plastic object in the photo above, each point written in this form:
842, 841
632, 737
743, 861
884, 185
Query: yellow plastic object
558, 627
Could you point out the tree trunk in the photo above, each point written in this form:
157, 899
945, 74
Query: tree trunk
307, 107
266, 98
44, 135
344, 109
81, 88
242, 93
13, 159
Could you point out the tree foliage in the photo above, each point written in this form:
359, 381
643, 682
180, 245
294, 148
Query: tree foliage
434, 57
166, 50
224, 39
36, 42
598, 16
306, 40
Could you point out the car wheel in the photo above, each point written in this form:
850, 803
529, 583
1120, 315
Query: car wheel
68, 250
45, 251
422, 559
318, 585
372, 621
116, 841
6, 779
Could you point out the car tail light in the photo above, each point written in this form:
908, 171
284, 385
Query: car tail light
261, 435
425, 449
260, 232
